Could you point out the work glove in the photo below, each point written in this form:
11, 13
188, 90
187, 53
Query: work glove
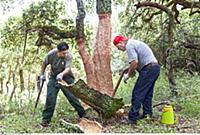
59, 77
125, 77
42, 77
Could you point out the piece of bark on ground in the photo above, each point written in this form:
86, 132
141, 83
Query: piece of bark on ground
84, 126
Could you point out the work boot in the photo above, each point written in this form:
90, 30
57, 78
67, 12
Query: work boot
128, 121
132, 122
85, 115
45, 123
145, 116
82, 115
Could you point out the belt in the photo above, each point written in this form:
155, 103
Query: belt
150, 64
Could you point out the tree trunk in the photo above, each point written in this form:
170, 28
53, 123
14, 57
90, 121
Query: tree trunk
8, 81
97, 68
80, 39
102, 55
169, 60
21, 75
105, 105
87, 62
24, 48
14, 80
14, 87
1, 79
1, 87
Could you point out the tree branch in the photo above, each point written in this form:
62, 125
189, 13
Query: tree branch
176, 12
152, 4
80, 39
53, 32
159, 12
151, 16
187, 4
80, 19
192, 13
57, 33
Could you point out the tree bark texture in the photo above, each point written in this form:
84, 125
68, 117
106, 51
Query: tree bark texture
102, 55
105, 105
103, 6
169, 60
87, 62
80, 39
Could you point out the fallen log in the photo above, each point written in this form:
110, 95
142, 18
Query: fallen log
105, 105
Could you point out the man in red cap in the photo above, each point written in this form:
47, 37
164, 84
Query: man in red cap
142, 59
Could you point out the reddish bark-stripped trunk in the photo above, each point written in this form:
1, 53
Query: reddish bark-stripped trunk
87, 62
102, 55
97, 67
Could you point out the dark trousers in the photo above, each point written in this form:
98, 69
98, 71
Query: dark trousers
142, 93
52, 92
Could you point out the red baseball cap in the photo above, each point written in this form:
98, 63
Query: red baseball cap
118, 39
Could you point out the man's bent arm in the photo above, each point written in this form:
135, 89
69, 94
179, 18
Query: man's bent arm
133, 66
43, 68
66, 71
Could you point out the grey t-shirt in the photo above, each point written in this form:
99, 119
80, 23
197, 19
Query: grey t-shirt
58, 64
140, 51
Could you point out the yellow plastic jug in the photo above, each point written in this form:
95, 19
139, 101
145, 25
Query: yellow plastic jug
167, 115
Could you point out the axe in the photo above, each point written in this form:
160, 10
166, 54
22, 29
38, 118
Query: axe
118, 82
40, 84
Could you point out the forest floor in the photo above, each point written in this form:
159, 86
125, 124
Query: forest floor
17, 117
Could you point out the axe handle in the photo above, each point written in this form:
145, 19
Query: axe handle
117, 85
38, 97
161, 103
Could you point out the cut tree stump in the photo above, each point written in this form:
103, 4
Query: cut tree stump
105, 105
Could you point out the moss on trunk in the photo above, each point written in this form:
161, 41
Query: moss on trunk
105, 105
